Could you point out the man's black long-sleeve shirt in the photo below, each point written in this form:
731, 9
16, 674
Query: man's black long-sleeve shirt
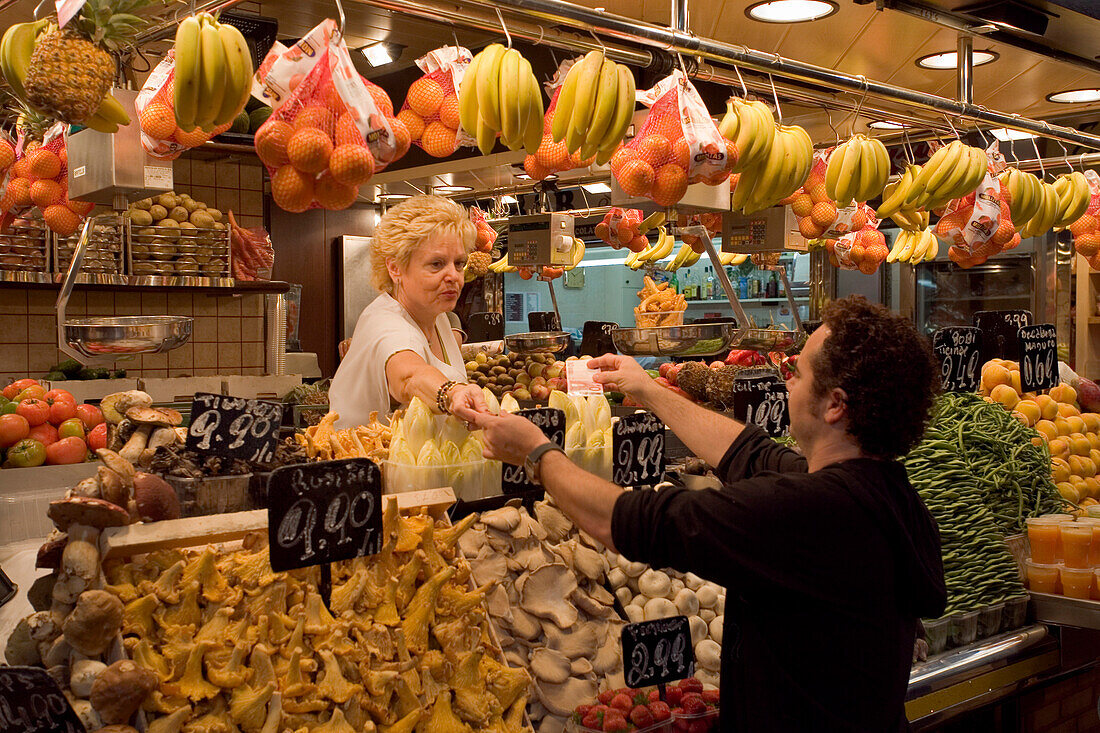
826, 576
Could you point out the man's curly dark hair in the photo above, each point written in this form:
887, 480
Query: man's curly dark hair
887, 370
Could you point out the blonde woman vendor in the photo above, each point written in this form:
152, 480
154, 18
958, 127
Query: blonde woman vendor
403, 346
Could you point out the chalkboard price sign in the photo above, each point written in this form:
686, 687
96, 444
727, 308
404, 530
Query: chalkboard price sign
323, 512
596, 338
1000, 332
234, 427
638, 450
486, 326
31, 702
657, 652
959, 351
513, 479
1038, 357
761, 400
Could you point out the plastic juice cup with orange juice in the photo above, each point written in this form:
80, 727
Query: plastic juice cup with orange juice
1042, 577
1077, 582
1094, 548
1045, 539
1076, 542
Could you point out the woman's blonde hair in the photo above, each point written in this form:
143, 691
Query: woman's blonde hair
406, 226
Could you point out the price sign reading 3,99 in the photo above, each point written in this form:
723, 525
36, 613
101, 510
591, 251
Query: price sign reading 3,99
31, 702
959, 352
323, 512
234, 427
638, 450
1038, 357
656, 652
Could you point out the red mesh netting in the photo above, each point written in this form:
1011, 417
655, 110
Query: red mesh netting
38, 178
430, 111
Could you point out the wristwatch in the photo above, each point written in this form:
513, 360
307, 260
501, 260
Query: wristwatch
531, 462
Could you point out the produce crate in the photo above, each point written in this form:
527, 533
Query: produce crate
104, 259
170, 252
25, 252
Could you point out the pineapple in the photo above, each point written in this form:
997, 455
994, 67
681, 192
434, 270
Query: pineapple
71, 69
477, 265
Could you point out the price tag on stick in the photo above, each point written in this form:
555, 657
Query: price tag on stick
959, 351
31, 702
657, 652
487, 326
513, 479
638, 450
1038, 357
234, 427
596, 339
1000, 332
761, 400
323, 512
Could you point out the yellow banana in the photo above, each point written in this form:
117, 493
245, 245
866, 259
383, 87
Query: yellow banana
467, 96
16, 48
931, 170
954, 172
532, 136
563, 111
111, 110
893, 196
584, 103
847, 178
730, 123
238, 62
868, 172
832, 169
488, 86
185, 91
624, 109
99, 124
665, 242
607, 98
212, 75
525, 105
578, 253
486, 136
899, 246
507, 103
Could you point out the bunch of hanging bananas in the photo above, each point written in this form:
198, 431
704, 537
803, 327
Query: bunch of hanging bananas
952, 172
500, 94
893, 202
914, 247
751, 126
594, 108
1073, 198
658, 250
213, 73
1024, 193
686, 257
17, 47
777, 176
501, 266
857, 170
1059, 204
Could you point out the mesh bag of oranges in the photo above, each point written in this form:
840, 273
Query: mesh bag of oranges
430, 111
695, 229
678, 144
622, 228
862, 250
553, 157
39, 178
817, 214
979, 225
486, 235
160, 136
330, 131
1086, 230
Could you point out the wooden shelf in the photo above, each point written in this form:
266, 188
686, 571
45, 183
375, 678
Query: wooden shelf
258, 287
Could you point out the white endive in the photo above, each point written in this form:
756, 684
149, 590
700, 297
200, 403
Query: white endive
450, 453
601, 409
597, 439
509, 403
491, 400
574, 437
418, 424
471, 450
452, 429
561, 401
429, 455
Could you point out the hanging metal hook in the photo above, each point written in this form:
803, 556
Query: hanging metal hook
504, 27
775, 96
952, 126
985, 140
744, 89
855, 114
599, 42
1065, 151
1038, 158
907, 146
342, 18
683, 68
829, 121
38, 8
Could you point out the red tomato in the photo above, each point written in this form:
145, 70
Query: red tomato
65, 451
90, 415
36, 411
45, 433
33, 392
97, 437
59, 395
61, 411
71, 428
13, 428
17, 386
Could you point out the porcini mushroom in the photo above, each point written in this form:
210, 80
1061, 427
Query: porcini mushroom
115, 406
120, 689
156, 500
94, 622
83, 510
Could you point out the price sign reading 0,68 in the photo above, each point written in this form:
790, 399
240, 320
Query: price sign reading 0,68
234, 427
1038, 357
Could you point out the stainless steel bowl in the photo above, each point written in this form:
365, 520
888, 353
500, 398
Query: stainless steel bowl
537, 342
768, 339
699, 339
127, 335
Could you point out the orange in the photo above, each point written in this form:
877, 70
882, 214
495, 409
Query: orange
733, 155
681, 153
824, 213
347, 132
61, 220
291, 189
534, 169
413, 121
1086, 223
817, 193
1005, 395
636, 177
271, 142
859, 219
351, 165
7, 155
158, 121
315, 116
19, 167
438, 140
655, 150
802, 205
191, 139
46, 193
78, 207
20, 191
331, 98
43, 163
309, 150
425, 97
621, 157
381, 99
401, 138
808, 229
576, 161
669, 185
554, 156
448, 112
333, 195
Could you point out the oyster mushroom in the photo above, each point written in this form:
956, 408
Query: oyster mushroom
556, 524
545, 593
560, 699
504, 519
550, 665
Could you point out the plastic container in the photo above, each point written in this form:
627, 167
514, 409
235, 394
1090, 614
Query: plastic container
1076, 544
212, 494
1042, 577
1094, 548
964, 628
1045, 538
1077, 582
664, 725
989, 620
1096, 585
474, 480
1015, 613
651, 319
936, 633
696, 722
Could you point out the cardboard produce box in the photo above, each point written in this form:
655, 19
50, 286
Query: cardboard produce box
265, 387
93, 390
181, 389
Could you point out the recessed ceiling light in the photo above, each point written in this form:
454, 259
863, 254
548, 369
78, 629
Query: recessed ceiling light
596, 187
394, 196
886, 125
950, 59
791, 11
1075, 96
381, 53
508, 199
452, 189
1004, 134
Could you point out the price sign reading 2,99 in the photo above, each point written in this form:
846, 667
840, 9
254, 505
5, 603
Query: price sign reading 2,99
234, 427
656, 652
31, 702
1038, 357
323, 512
638, 450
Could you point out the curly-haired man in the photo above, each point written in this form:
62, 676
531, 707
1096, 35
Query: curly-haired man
829, 557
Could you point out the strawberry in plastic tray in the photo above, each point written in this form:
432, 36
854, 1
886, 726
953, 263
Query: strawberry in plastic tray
686, 707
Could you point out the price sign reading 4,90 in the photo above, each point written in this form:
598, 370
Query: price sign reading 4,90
513, 479
1038, 357
323, 512
234, 427
959, 352
1000, 332
31, 702
638, 450
656, 652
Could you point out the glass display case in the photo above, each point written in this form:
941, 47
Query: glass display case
947, 295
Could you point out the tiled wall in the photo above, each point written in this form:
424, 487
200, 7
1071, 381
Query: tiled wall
228, 186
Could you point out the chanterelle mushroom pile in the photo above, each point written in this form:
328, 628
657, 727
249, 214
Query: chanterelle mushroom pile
551, 610
237, 647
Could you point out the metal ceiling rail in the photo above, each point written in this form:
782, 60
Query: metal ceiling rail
167, 27
631, 30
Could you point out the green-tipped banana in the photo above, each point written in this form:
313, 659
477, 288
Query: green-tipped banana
238, 63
